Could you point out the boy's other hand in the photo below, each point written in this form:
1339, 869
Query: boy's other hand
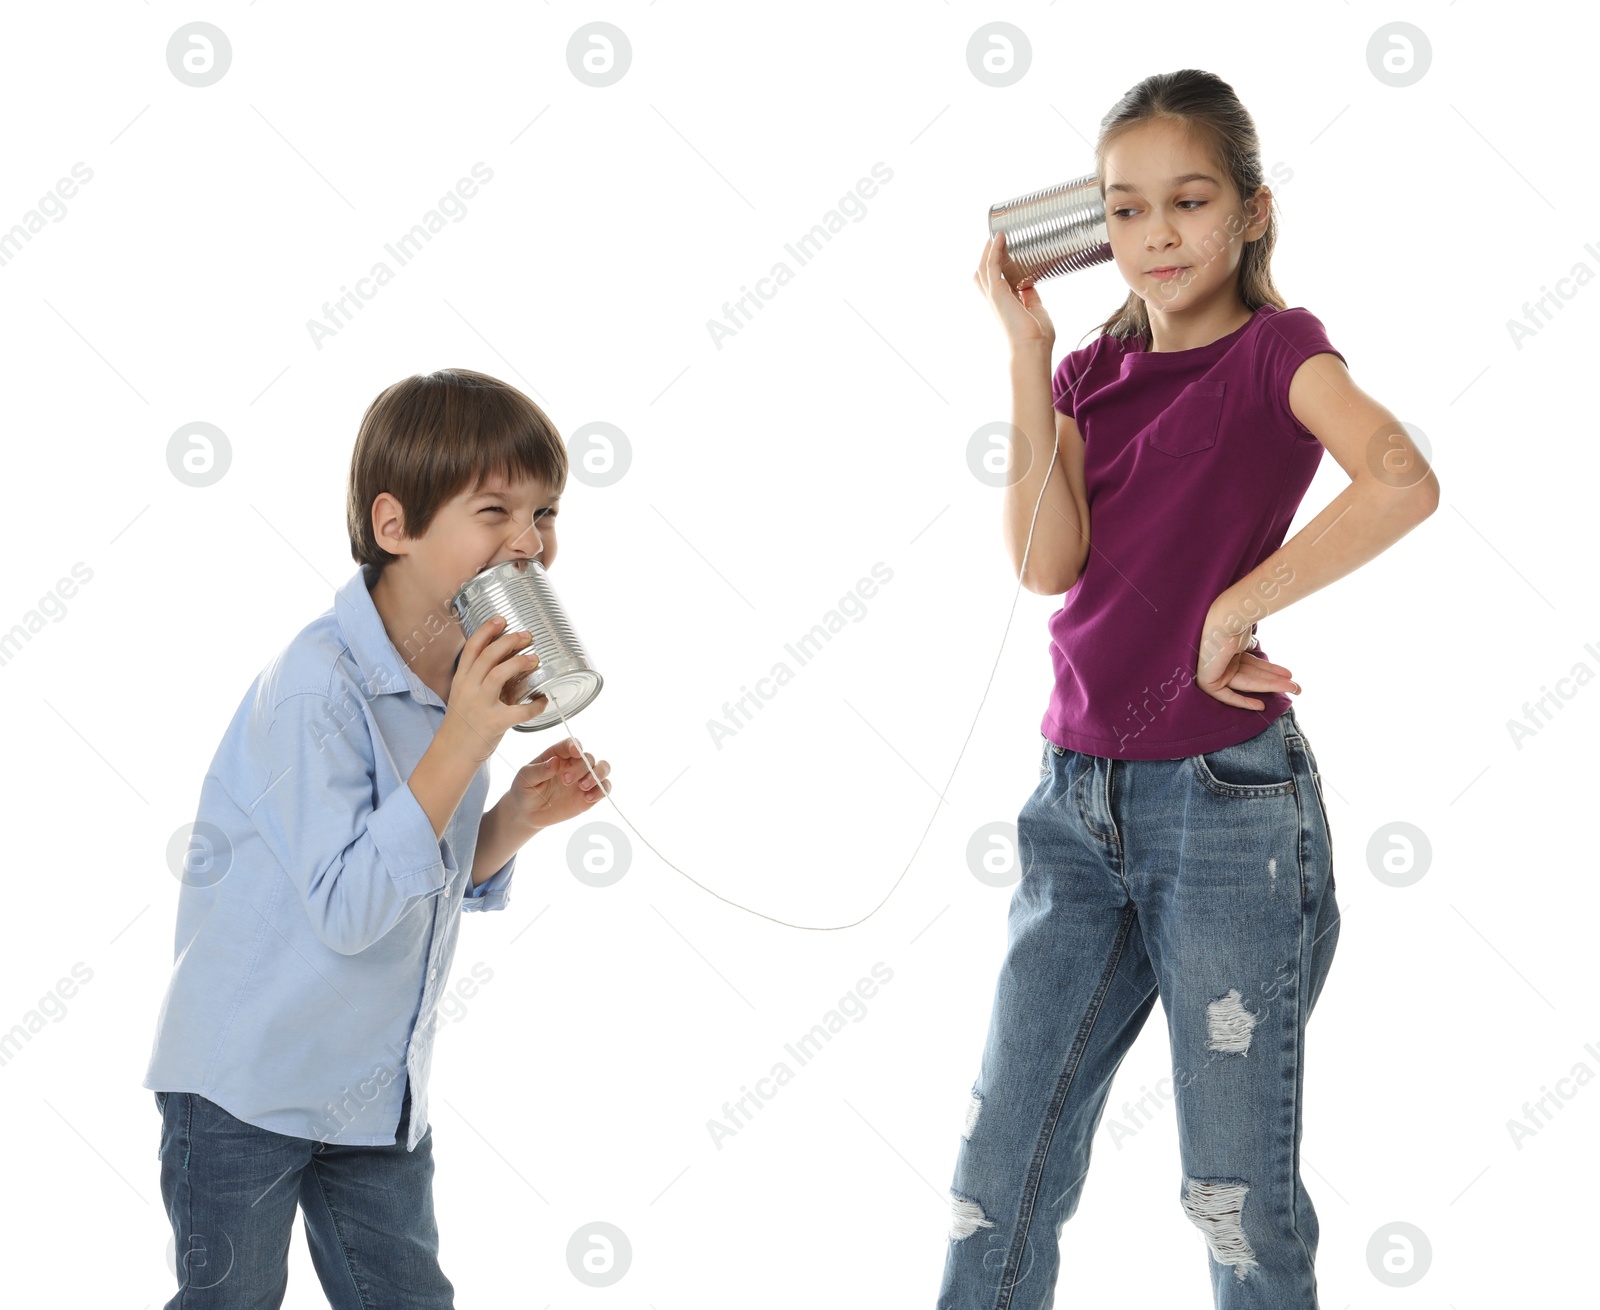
560, 784
480, 711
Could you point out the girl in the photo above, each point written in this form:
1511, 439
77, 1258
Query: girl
1177, 844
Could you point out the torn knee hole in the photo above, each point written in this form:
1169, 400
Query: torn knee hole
971, 1121
1230, 1024
1217, 1210
966, 1217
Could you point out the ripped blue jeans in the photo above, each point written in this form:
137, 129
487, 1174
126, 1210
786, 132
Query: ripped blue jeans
1206, 881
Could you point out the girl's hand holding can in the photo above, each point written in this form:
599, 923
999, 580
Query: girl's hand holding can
1020, 310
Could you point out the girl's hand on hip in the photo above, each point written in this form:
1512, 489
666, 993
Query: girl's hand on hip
1227, 667
1020, 311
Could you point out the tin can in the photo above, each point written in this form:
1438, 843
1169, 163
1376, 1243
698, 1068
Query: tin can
519, 591
1058, 230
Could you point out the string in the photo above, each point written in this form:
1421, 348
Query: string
809, 927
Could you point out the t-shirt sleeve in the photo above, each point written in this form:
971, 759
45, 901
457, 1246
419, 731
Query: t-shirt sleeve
1291, 337
1066, 378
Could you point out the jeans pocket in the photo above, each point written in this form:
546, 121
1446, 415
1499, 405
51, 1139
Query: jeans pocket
1189, 424
1258, 766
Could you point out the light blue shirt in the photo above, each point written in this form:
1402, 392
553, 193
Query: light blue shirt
318, 913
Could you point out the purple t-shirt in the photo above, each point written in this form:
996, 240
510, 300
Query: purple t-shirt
1194, 467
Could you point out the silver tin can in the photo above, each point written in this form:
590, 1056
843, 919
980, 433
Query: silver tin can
1058, 230
519, 591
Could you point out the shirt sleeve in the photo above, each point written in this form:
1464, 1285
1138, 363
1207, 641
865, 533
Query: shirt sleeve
355, 865
493, 892
1290, 337
1066, 377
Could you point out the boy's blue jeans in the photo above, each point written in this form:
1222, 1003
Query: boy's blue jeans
231, 1190
1207, 881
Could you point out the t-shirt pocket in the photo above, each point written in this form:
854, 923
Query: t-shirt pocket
1190, 423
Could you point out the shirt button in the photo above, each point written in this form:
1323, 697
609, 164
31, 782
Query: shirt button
432, 974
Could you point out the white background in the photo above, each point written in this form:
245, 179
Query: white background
766, 479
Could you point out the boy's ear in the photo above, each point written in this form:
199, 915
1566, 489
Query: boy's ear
388, 522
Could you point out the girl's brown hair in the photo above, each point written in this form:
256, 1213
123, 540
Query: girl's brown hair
429, 437
1206, 108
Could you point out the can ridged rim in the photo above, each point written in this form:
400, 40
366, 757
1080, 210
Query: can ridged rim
1064, 232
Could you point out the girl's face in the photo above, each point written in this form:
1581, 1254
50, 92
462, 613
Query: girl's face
1168, 204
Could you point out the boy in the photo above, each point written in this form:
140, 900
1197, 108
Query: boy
341, 833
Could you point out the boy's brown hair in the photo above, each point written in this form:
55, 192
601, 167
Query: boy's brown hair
428, 437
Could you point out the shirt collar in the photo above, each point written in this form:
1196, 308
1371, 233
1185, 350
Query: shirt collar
382, 669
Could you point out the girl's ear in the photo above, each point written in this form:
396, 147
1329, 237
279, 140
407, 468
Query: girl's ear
1259, 207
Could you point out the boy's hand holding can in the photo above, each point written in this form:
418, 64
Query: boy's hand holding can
478, 713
